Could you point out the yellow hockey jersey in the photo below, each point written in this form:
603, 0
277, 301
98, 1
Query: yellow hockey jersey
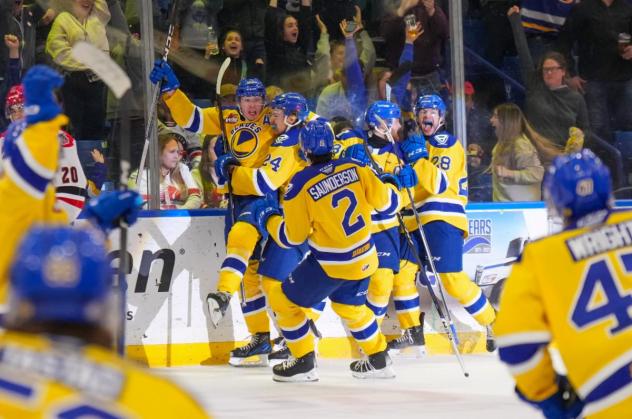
441, 194
346, 139
29, 158
249, 141
583, 301
330, 205
283, 162
44, 377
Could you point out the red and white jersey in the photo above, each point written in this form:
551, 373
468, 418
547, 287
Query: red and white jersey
70, 182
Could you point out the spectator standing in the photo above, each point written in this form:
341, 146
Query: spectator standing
427, 56
542, 21
84, 94
330, 52
551, 106
517, 169
248, 16
604, 68
195, 20
13, 72
287, 42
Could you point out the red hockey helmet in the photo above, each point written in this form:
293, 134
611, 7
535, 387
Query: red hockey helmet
15, 97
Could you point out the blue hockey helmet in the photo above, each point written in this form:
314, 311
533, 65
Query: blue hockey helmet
317, 138
61, 274
430, 102
250, 87
578, 184
384, 110
291, 103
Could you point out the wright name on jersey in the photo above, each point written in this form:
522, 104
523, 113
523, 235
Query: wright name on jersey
583, 302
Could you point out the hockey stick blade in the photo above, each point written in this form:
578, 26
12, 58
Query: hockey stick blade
103, 66
220, 75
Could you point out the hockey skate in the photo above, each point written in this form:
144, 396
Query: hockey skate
280, 352
411, 343
254, 354
490, 342
296, 370
374, 366
218, 303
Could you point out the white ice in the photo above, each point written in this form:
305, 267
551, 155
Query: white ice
433, 387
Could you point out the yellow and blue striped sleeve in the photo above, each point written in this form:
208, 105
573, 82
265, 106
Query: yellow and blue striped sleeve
31, 154
294, 227
385, 198
523, 339
346, 139
278, 168
434, 180
192, 117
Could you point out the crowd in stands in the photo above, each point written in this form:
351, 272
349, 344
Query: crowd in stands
544, 77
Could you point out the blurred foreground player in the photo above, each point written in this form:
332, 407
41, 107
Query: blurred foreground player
30, 156
582, 301
70, 181
329, 204
56, 358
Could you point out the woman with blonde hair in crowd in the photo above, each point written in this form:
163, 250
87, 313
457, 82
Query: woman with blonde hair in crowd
519, 156
178, 190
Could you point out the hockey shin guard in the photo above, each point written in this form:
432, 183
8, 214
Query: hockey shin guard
363, 326
406, 296
459, 286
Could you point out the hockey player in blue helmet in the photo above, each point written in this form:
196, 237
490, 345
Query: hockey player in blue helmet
582, 300
440, 199
578, 186
330, 203
59, 335
288, 116
430, 113
393, 275
250, 136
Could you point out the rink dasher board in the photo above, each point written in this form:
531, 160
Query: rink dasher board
176, 256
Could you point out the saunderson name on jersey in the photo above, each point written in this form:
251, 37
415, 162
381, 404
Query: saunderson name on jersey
333, 183
601, 240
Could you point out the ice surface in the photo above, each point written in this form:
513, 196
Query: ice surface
433, 387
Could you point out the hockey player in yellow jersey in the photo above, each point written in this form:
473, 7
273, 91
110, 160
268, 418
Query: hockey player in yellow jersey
393, 275
289, 114
329, 204
582, 301
440, 199
30, 156
249, 138
56, 358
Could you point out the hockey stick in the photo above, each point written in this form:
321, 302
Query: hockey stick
156, 93
446, 318
222, 125
119, 83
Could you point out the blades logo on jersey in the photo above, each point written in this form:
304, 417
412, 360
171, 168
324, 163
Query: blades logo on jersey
244, 140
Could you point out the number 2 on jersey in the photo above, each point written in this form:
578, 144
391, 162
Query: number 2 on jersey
348, 226
602, 297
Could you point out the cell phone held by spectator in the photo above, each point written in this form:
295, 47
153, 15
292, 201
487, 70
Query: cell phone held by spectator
625, 40
351, 26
